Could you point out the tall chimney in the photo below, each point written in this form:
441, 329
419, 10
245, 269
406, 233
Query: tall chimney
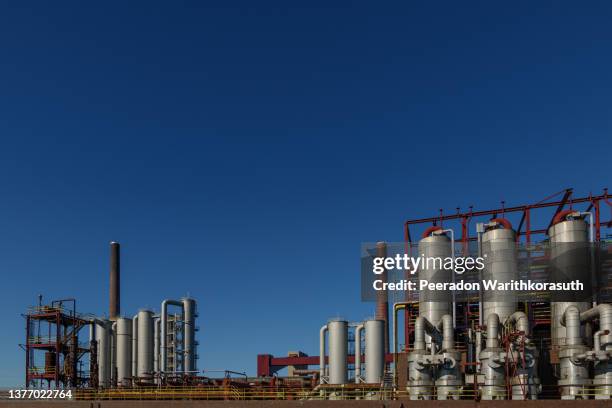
382, 300
115, 276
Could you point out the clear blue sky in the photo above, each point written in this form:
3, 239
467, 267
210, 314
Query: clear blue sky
241, 154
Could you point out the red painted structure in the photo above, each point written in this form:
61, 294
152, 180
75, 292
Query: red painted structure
267, 364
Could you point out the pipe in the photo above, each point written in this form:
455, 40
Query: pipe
421, 327
479, 231
396, 307
135, 346
603, 311
114, 282
322, 353
520, 321
597, 340
358, 331
492, 330
113, 353
448, 333
156, 329
562, 215
429, 230
502, 221
478, 348
571, 321
164, 330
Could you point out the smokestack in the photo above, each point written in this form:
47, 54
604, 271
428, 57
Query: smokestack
115, 276
382, 301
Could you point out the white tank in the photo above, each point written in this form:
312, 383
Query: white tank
124, 350
565, 237
374, 351
338, 351
500, 259
103, 337
435, 304
189, 347
145, 344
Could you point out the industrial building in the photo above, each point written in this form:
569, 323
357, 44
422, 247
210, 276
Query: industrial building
422, 346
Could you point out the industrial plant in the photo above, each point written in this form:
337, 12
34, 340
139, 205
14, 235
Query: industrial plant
418, 345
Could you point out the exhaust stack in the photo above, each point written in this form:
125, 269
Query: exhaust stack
115, 275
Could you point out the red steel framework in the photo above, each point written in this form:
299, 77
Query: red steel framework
53, 329
268, 364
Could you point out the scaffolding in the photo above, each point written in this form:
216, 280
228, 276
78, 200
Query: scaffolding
53, 352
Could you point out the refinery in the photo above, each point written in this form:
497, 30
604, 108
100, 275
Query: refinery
420, 345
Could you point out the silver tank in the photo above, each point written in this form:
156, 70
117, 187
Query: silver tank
562, 235
374, 351
103, 337
338, 351
124, 350
435, 304
500, 259
189, 348
145, 344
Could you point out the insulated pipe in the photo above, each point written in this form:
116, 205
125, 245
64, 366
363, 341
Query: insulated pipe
164, 330
156, 329
358, 331
478, 348
421, 327
597, 340
571, 321
448, 333
322, 353
603, 311
492, 330
520, 321
135, 346
396, 307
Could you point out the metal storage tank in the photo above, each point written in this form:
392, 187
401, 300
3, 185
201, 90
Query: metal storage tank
103, 328
189, 347
500, 259
124, 350
338, 351
145, 344
374, 351
435, 304
566, 236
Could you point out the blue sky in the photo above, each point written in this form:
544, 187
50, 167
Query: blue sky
241, 154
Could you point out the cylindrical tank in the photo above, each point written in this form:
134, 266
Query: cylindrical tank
189, 348
374, 351
145, 344
50, 362
500, 259
567, 239
103, 328
338, 351
124, 350
435, 304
